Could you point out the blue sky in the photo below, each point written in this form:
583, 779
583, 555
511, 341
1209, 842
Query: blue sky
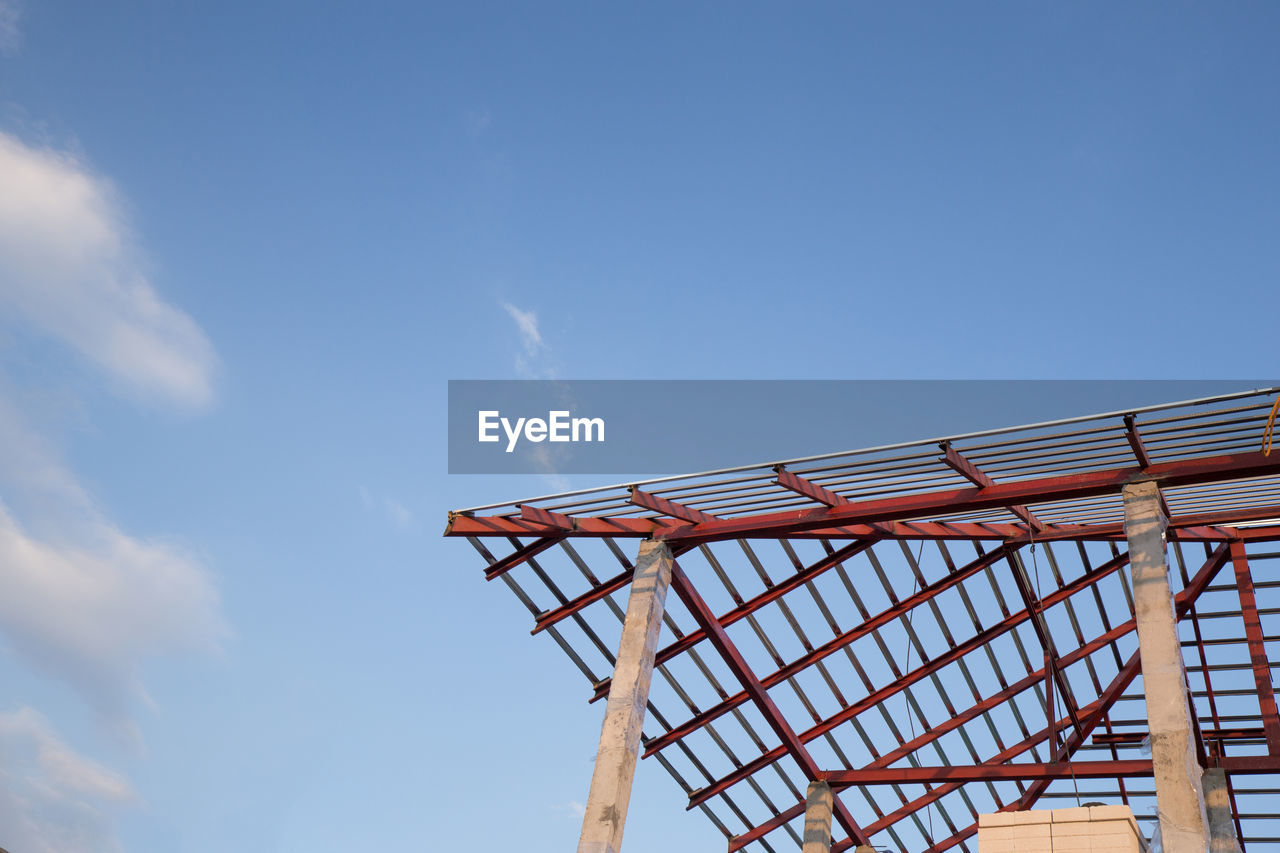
244, 246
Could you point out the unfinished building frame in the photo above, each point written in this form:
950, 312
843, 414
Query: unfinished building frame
909, 636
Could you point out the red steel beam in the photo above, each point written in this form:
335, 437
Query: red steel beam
1140, 453
545, 517
815, 492
1183, 603
1053, 677
808, 488
764, 703
971, 472
1230, 466
826, 649
779, 820
745, 609
548, 618
984, 772
1122, 680
871, 700
648, 501
1244, 733
1094, 713
1195, 527
1257, 647
498, 568
1136, 443
948, 725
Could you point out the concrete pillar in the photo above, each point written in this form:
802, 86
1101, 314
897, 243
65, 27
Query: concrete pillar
1179, 797
615, 768
817, 818
1222, 829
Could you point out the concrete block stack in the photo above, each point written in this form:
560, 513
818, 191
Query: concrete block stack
1086, 829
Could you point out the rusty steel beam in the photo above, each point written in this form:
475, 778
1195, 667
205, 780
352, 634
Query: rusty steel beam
927, 668
1136, 443
652, 502
909, 808
1139, 448
808, 488
745, 609
1133, 738
826, 649
1053, 677
1182, 603
965, 467
498, 568
756, 832
1257, 647
948, 725
983, 772
1194, 527
547, 618
1230, 466
815, 492
718, 638
545, 517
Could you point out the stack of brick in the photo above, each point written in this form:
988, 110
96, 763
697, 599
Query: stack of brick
1087, 829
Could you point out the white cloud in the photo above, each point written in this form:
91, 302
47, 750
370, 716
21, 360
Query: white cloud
10, 35
401, 516
530, 362
85, 601
50, 796
478, 121
572, 809
397, 512
527, 323
69, 269
90, 604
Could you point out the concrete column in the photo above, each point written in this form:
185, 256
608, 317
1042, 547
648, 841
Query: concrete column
1179, 797
817, 818
1222, 829
628, 695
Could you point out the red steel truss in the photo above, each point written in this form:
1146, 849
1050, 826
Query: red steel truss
823, 626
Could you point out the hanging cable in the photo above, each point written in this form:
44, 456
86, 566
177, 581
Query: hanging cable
911, 720
1049, 661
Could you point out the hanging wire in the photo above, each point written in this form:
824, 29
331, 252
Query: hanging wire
911, 720
1049, 661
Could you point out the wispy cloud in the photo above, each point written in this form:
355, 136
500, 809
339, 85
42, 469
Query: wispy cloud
69, 268
85, 601
527, 323
572, 809
396, 512
478, 121
530, 362
51, 797
10, 34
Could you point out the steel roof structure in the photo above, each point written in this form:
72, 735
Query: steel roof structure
939, 628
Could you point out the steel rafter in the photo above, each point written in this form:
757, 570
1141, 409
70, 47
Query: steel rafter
829, 648
1257, 647
1000, 491
738, 666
